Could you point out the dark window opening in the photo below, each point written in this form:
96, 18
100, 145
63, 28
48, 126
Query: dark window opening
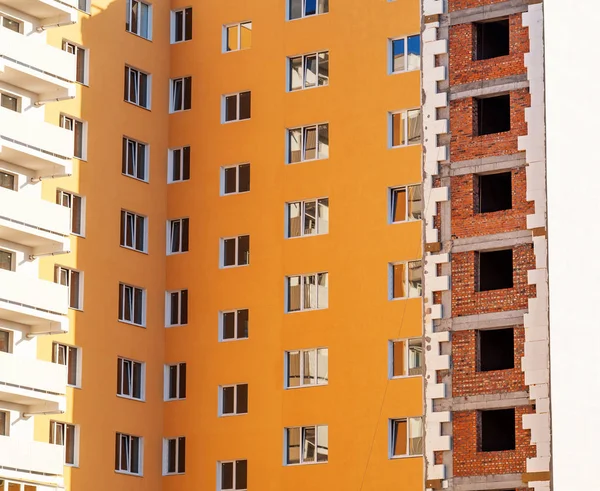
495, 192
493, 114
493, 39
496, 349
495, 270
497, 430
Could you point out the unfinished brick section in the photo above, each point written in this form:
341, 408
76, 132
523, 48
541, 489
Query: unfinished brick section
468, 461
464, 69
467, 381
467, 223
454, 5
466, 145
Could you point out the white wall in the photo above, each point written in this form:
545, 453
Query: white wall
573, 133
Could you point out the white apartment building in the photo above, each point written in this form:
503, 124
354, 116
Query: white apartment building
32, 74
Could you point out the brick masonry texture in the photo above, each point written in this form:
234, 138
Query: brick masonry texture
454, 5
467, 223
467, 381
466, 145
469, 462
464, 69
467, 301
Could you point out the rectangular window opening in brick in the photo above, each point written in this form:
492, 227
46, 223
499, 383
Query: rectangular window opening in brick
492, 39
495, 349
497, 430
494, 270
493, 192
492, 114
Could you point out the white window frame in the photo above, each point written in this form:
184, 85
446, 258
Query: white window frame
60, 428
301, 284
407, 358
65, 348
128, 363
391, 437
169, 307
239, 25
288, 13
123, 288
302, 430
303, 131
127, 142
178, 440
392, 202
170, 224
235, 399
138, 74
75, 49
235, 313
391, 70
140, 456
69, 197
58, 275
301, 354
137, 30
184, 12
173, 163
167, 381
237, 179
69, 123
83, 6
302, 217
234, 474
125, 215
237, 119
407, 288
404, 117
237, 249
304, 57
186, 84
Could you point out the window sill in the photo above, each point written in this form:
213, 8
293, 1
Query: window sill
305, 17
306, 463
404, 298
410, 220
305, 310
175, 325
132, 249
391, 73
232, 415
306, 236
232, 266
392, 147
166, 474
400, 377
181, 42
74, 386
176, 253
401, 457
121, 396
304, 89
132, 323
177, 182
235, 193
225, 52
229, 340
129, 473
311, 386
177, 111
309, 160
173, 400
235, 121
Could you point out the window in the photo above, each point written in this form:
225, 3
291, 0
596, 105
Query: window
495, 270
181, 25
307, 292
5, 341
405, 128
12, 24
8, 181
306, 445
179, 164
237, 107
83, 5
76, 205
492, 114
234, 399
406, 54
492, 39
177, 308
406, 279
63, 354
73, 280
135, 159
79, 129
137, 87
308, 143
308, 71
406, 357
306, 8
495, 349
406, 437
497, 430
9, 102
234, 324
175, 381
235, 251
305, 368
406, 203
238, 36
493, 192
233, 476
235, 179
131, 304
4, 423
139, 18
81, 57
174, 455
133, 231
6, 260
130, 379
178, 233
128, 454
66, 435
181, 94
310, 217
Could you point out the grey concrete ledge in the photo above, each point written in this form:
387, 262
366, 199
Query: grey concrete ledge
484, 401
486, 483
483, 321
494, 241
489, 87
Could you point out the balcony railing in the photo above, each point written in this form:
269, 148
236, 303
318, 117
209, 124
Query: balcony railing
31, 457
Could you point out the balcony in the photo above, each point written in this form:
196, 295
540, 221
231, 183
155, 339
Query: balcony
31, 461
39, 304
36, 66
42, 147
50, 12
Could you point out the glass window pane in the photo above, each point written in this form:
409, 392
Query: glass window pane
5, 343
293, 369
414, 52
246, 35
310, 143
145, 21
324, 68
74, 290
185, 234
397, 130
310, 217
243, 250
242, 399
184, 307
228, 394
415, 278
293, 293
171, 452
137, 380
72, 366
242, 323
295, 145
398, 62
398, 361
310, 292
414, 126
309, 444
6, 260
244, 178
293, 446
322, 443
227, 475
232, 37
323, 216
398, 280
416, 436
294, 224
173, 370
178, 24
295, 7
323, 141
76, 215
415, 202
310, 71
228, 325
322, 366
230, 174
310, 367
229, 252
399, 204
310, 7
7, 181
323, 291
245, 101
415, 357
323, 6
399, 437
231, 108
135, 454
241, 474
296, 73
181, 455
188, 24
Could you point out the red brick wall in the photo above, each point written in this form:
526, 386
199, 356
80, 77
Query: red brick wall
464, 145
463, 69
466, 301
467, 381
469, 462
467, 223
454, 5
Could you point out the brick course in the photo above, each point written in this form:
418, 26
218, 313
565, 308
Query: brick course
454, 5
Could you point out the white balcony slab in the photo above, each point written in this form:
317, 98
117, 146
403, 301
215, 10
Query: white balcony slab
31, 461
35, 66
50, 12
36, 145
